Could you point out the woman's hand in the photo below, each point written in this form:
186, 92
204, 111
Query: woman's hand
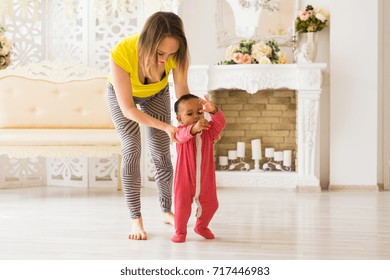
171, 130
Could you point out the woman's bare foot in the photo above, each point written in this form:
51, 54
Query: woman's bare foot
137, 230
168, 218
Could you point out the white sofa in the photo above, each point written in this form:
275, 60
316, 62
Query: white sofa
55, 109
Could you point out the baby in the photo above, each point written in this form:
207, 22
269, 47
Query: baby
195, 171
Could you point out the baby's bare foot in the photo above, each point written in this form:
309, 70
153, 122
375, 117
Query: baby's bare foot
168, 218
137, 230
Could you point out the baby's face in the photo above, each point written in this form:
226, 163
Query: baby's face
189, 112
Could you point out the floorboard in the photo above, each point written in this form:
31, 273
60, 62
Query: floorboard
63, 223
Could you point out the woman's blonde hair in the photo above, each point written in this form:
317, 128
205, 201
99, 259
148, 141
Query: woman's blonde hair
157, 27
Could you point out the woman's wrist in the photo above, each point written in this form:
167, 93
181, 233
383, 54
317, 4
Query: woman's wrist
165, 127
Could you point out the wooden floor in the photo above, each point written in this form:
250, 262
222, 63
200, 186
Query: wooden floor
72, 223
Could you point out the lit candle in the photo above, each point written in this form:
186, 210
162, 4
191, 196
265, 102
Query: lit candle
287, 157
223, 161
232, 154
256, 149
241, 149
269, 152
278, 156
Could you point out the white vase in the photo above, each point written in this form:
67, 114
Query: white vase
311, 46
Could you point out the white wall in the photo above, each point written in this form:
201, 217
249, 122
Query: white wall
354, 92
200, 27
386, 94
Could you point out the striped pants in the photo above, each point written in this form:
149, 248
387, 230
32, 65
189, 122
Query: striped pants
158, 106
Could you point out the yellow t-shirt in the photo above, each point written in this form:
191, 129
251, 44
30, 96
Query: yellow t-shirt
125, 54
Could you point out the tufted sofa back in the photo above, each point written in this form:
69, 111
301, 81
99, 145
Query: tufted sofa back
42, 103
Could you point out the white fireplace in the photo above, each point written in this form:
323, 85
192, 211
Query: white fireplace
306, 80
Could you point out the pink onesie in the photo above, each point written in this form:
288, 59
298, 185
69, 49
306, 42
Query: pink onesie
196, 153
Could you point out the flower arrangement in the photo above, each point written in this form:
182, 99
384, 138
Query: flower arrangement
311, 20
5, 50
251, 52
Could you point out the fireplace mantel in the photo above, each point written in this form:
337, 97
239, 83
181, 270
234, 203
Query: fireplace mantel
255, 77
306, 79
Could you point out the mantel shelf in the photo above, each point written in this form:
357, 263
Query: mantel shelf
255, 77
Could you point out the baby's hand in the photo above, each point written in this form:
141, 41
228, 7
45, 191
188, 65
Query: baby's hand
208, 106
199, 126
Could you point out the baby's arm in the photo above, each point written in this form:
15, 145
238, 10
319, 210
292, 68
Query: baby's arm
218, 121
183, 133
217, 124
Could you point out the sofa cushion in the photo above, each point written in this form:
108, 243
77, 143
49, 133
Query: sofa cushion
31, 103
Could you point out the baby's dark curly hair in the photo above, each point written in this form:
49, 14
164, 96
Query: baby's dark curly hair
183, 98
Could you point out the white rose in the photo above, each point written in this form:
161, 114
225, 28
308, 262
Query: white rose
256, 52
261, 49
230, 52
322, 12
321, 17
267, 50
283, 59
264, 60
5, 46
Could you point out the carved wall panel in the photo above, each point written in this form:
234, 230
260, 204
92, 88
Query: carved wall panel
103, 172
76, 31
22, 172
67, 171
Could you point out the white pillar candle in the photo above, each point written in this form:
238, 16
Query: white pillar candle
287, 158
241, 149
278, 156
232, 154
223, 161
256, 149
269, 152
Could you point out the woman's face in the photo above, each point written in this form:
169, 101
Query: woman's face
167, 49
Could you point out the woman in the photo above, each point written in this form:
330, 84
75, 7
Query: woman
139, 69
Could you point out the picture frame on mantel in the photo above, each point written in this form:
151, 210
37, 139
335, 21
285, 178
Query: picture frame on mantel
277, 25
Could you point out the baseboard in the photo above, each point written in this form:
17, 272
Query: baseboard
3, 187
363, 188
